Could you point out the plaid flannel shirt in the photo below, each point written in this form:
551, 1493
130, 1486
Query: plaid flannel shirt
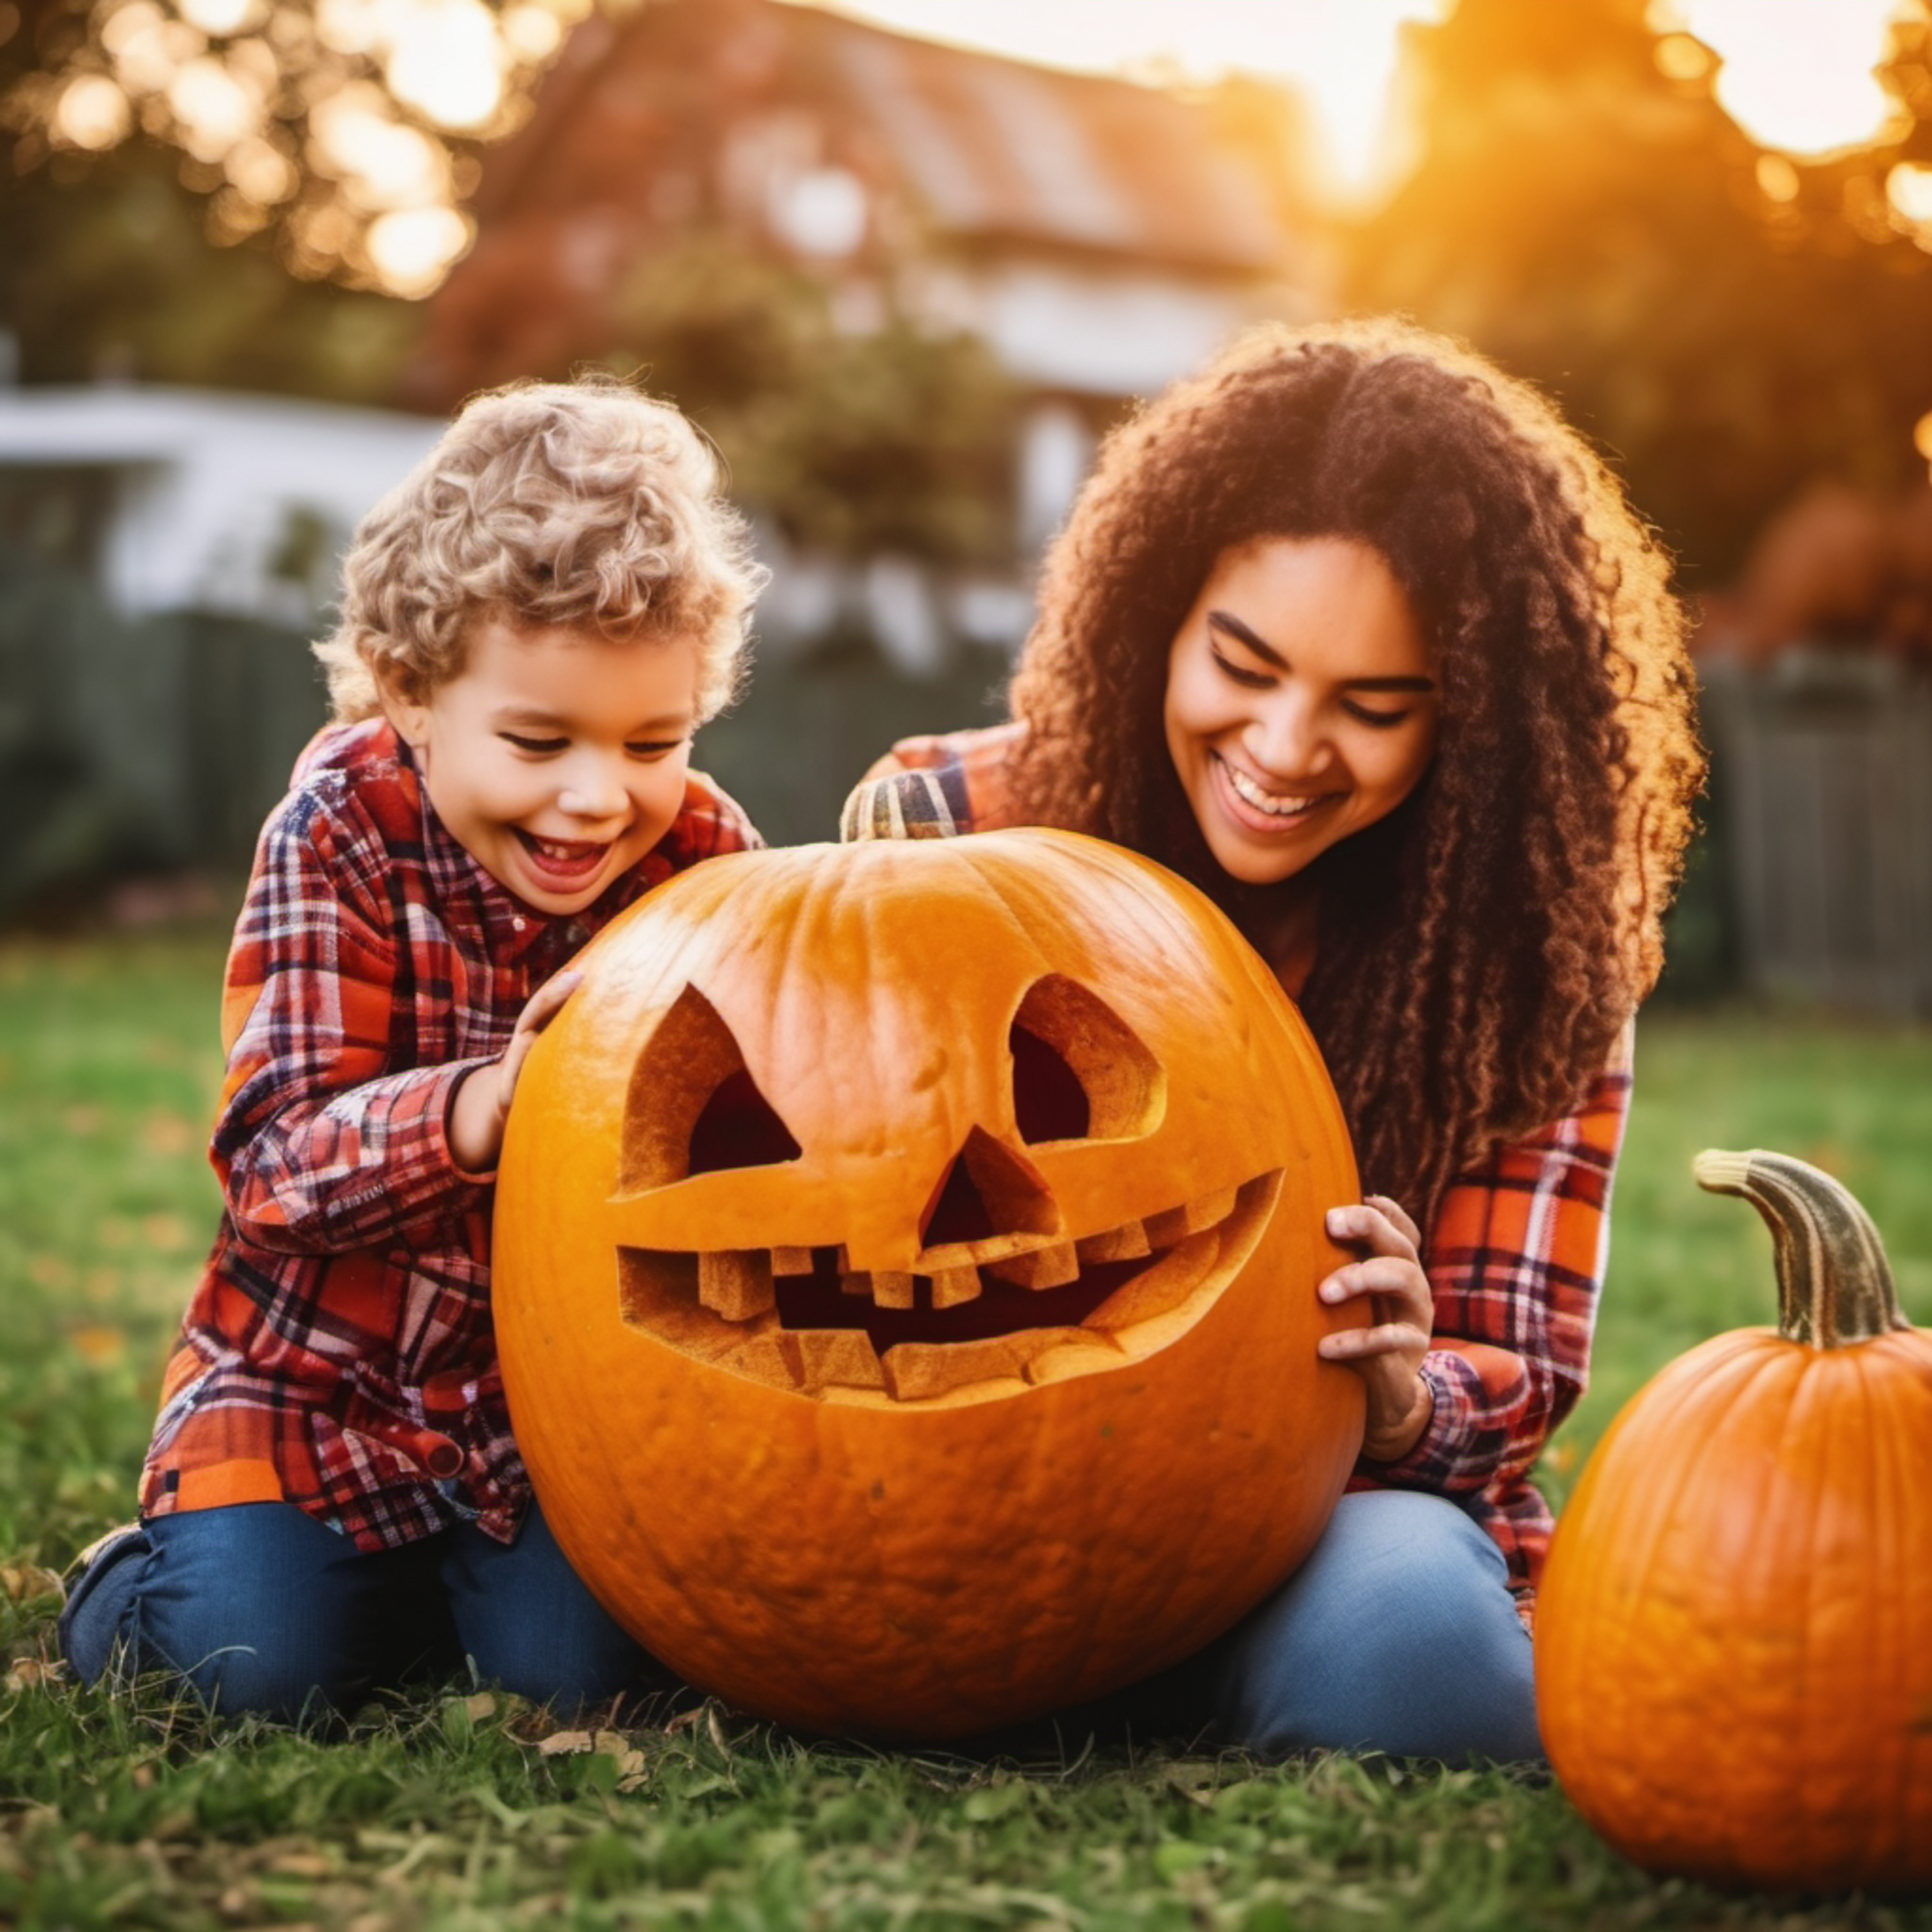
1515, 1257
339, 1352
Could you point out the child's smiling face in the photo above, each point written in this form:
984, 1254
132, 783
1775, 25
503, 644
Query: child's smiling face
557, 755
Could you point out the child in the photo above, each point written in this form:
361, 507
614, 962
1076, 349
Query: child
1353, 633
534, 624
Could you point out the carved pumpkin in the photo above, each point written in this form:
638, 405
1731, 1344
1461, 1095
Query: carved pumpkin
904, 1279
1734, 1630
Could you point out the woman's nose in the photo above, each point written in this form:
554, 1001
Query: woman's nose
1286, 738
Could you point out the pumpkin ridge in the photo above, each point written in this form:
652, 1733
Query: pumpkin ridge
1624, 1514
1748, 1560
929, 1567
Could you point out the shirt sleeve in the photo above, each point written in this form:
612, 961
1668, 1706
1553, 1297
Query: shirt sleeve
1515, 1261
324, 1143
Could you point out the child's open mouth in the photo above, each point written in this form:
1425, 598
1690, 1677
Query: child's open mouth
565, 861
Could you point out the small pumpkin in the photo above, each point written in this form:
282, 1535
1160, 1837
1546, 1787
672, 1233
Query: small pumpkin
905, 1274
1735, 1628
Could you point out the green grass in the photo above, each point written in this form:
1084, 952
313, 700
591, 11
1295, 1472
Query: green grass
453, 1811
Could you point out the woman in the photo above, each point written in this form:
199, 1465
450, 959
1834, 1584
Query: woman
1351, 632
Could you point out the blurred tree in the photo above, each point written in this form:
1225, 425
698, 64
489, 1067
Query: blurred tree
112, 274
1728, 324
342, 130
857, 439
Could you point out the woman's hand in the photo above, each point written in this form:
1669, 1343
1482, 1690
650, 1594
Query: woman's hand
483, 1100
1388, 1353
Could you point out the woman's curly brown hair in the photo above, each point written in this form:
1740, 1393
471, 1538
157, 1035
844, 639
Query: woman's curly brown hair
1481, 947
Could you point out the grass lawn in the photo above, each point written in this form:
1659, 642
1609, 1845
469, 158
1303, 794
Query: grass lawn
464, 1811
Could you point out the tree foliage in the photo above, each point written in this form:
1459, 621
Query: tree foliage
112, 274
855, 435
342, 130
1729, 325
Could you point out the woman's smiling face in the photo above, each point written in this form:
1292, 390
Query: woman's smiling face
1302, 700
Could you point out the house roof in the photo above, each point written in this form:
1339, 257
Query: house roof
996, 148
991, 148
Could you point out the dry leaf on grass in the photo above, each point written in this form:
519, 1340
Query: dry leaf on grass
23, 1582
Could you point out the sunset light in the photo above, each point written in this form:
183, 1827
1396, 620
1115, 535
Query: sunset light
383, 82
1340, 55
1797, 74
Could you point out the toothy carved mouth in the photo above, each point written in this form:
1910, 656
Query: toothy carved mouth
969, 1320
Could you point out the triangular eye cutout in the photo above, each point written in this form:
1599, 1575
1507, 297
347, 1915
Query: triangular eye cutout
692, 1106
1079, 1072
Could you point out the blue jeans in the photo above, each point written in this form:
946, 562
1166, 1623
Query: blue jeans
1398, 1634
261, 1607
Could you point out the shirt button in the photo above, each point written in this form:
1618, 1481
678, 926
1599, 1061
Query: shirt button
516, 921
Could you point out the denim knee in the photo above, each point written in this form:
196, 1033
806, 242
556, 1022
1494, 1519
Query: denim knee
529, 1623
256, 1607
1398, 1633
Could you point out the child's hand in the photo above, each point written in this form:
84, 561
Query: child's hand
483, 1101
1387, 1355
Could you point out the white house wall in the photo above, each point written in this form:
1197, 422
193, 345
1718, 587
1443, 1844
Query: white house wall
1097, 330
206, 485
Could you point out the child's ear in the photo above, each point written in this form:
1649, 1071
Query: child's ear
409, 714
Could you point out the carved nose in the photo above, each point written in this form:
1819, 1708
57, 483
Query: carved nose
986, 1190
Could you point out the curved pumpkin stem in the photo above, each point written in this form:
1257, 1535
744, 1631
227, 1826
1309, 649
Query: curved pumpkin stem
1835, 1285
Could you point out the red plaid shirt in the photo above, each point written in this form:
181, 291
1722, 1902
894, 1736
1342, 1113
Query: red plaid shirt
1515, 1257
339, 1352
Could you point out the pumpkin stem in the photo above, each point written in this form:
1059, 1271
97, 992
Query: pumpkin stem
1835, 1284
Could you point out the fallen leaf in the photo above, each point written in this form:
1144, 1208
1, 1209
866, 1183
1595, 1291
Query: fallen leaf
169, 1134
100, 1343
166, 1232
24, 1580
301, 1864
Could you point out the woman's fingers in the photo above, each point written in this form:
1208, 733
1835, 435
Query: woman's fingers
1370, 1226
1359, 1344
1401, 1285
1398, 1217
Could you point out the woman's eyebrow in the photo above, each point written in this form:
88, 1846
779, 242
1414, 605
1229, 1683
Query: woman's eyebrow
1228, 621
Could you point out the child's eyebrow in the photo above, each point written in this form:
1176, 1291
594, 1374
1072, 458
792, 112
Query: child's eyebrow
1227, 621
534, 718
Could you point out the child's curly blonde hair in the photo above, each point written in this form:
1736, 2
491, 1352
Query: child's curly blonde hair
581, 502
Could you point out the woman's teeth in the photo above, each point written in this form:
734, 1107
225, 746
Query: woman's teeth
1273, 804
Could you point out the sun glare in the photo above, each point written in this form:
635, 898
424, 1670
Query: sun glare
1340, 54
1797, 74
91, 113
412, 249
445, 60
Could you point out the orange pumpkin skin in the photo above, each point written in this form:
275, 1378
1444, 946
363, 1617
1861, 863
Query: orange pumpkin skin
1735, 1628
961, 1531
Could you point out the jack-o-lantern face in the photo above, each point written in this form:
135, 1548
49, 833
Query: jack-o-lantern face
858, 1182
988, 1279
